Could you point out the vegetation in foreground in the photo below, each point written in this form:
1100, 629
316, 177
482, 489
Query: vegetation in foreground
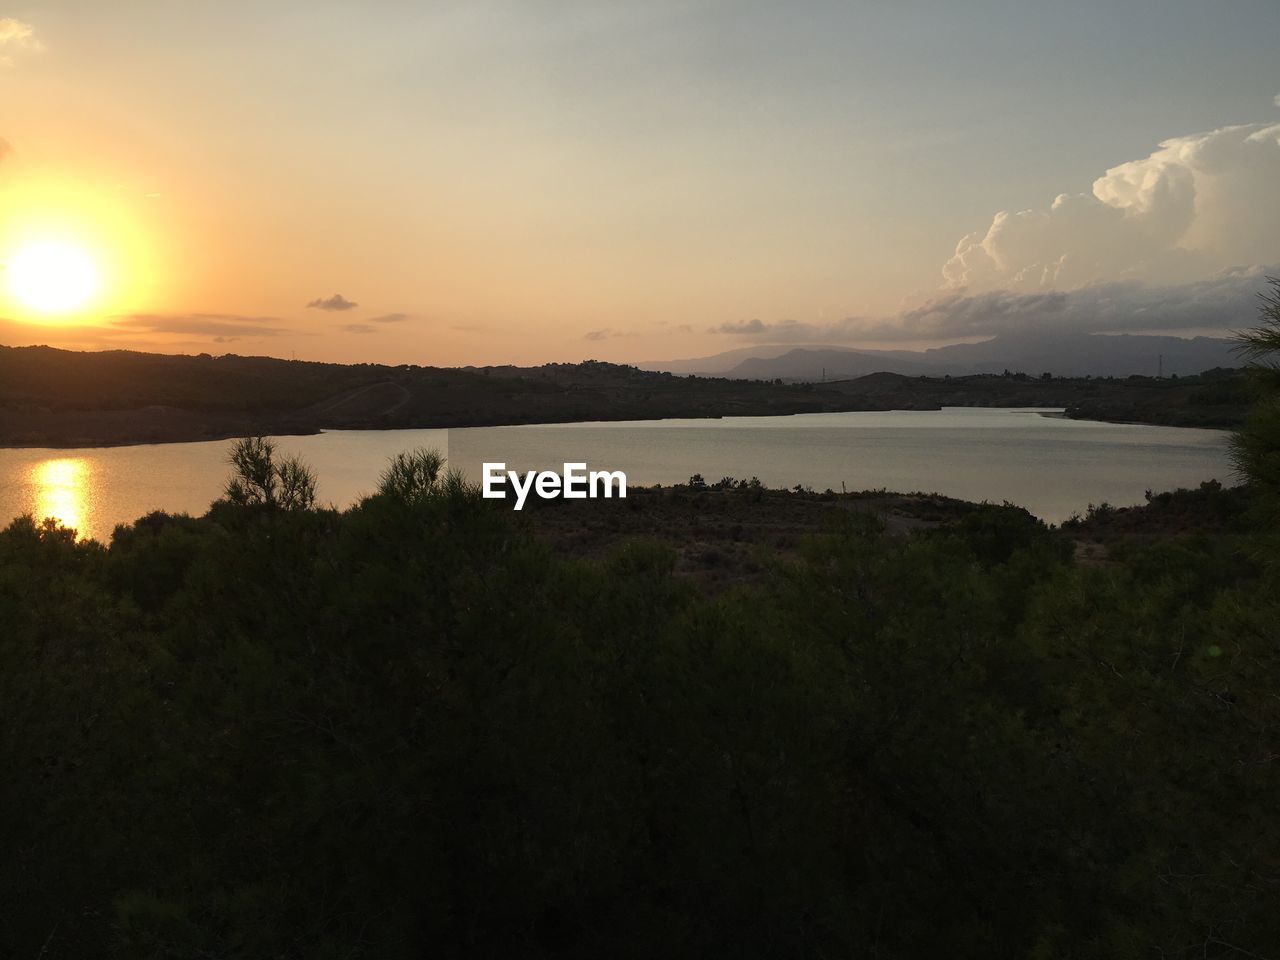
416, 729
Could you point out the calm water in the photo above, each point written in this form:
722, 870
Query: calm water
1050, 465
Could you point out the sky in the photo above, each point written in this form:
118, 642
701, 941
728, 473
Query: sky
494, 181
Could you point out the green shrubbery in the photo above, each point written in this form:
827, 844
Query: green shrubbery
261, 479
408, 729
1257, 445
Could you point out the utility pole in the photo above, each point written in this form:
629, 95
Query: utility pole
1160, 368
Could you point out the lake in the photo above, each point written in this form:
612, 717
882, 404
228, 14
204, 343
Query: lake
1051, 465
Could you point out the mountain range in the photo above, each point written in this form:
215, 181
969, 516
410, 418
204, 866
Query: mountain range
1061, 354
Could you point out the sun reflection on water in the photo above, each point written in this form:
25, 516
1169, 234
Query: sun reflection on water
61, 491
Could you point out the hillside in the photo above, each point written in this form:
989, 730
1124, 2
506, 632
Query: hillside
830, 363
54, 397
1215, 398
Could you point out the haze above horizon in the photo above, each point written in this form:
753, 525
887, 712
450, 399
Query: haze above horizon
522, 182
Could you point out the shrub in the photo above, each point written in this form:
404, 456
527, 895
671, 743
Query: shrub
412, 476
262, 480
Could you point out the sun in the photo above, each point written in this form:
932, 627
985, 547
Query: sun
52, 277
74, 253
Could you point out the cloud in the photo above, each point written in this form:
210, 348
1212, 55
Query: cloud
16, 35
17, 333
1198, 204
336, 302
357, 328
606, 334
206, 324
1276, 99
795, 331
1223, 302
744, 327
141, 331
390, 318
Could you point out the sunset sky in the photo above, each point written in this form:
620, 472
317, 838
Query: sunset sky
493, 182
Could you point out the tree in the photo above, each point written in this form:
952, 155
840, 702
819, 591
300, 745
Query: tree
1256, 446
262, 480
412, 476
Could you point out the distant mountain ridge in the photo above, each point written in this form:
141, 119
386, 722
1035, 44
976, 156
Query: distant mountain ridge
1060, 354
830, 363
719, 363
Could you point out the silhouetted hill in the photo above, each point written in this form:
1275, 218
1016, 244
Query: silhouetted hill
54, 397
1078, 355
1216, 398
829, 364
719, 364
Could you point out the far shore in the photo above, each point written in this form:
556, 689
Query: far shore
130, 428
61, 399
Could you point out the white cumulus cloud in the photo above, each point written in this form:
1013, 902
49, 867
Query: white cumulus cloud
1198, 204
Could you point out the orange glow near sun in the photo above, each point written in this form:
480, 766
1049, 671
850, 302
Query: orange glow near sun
69, 253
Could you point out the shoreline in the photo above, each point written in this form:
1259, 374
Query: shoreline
299, 430
62, 400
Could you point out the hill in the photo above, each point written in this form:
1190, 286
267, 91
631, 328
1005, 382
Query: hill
829, 363
63, 398
1078, 355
